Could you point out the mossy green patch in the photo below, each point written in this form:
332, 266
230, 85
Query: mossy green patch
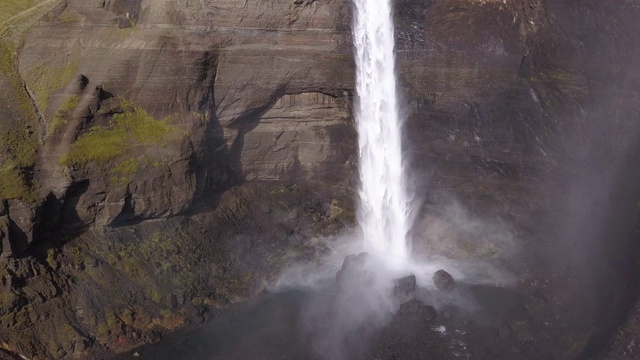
9, 8
47, 77
121, 172
63, 111
144, 128
132, 127
99, 144
68, 105
18, 19
56, 124
52, 258
18, 128
19, 144
7, 53
9, 70
12, 184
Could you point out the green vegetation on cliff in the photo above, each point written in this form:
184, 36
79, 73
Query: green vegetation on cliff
134, 126
9, 8
48, 77
64, 110
17, 16
13, 134
164, 265
17, 129
68, 105
13, 185
122, 171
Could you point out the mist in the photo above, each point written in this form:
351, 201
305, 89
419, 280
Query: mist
353, 294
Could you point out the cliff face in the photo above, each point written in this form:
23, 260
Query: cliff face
157, 151
138, 111
527, 110
209, 73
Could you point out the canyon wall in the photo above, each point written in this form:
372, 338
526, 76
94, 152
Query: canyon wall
163, 159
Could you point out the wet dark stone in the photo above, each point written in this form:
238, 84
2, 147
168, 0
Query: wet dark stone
443, 280
123, 23
447, 314
351, 265
199, 320
208, 316
81, 81
405, 286
283, 230
172, 299
154, 337
415, 307
504, 331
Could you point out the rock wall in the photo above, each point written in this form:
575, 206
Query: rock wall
150, 110
144, 130
210, 71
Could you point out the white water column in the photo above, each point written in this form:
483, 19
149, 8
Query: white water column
383, 212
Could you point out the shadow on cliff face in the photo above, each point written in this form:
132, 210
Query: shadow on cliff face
244, 124
220, 166
597, 244
616, 258
595, 192
212, 171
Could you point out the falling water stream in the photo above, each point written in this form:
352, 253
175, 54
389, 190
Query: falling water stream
383, 213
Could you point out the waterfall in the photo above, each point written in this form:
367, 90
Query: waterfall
383, 212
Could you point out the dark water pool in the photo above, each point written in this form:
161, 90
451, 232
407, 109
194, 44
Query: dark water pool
265, 328
283, 326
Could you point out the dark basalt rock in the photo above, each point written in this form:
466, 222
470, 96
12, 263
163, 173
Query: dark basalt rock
415, 307
405, 286
443, 281
5, 245
350, 267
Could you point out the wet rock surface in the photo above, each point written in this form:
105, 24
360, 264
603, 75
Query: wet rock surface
417, 308
405, 286
353, 268
443, 280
